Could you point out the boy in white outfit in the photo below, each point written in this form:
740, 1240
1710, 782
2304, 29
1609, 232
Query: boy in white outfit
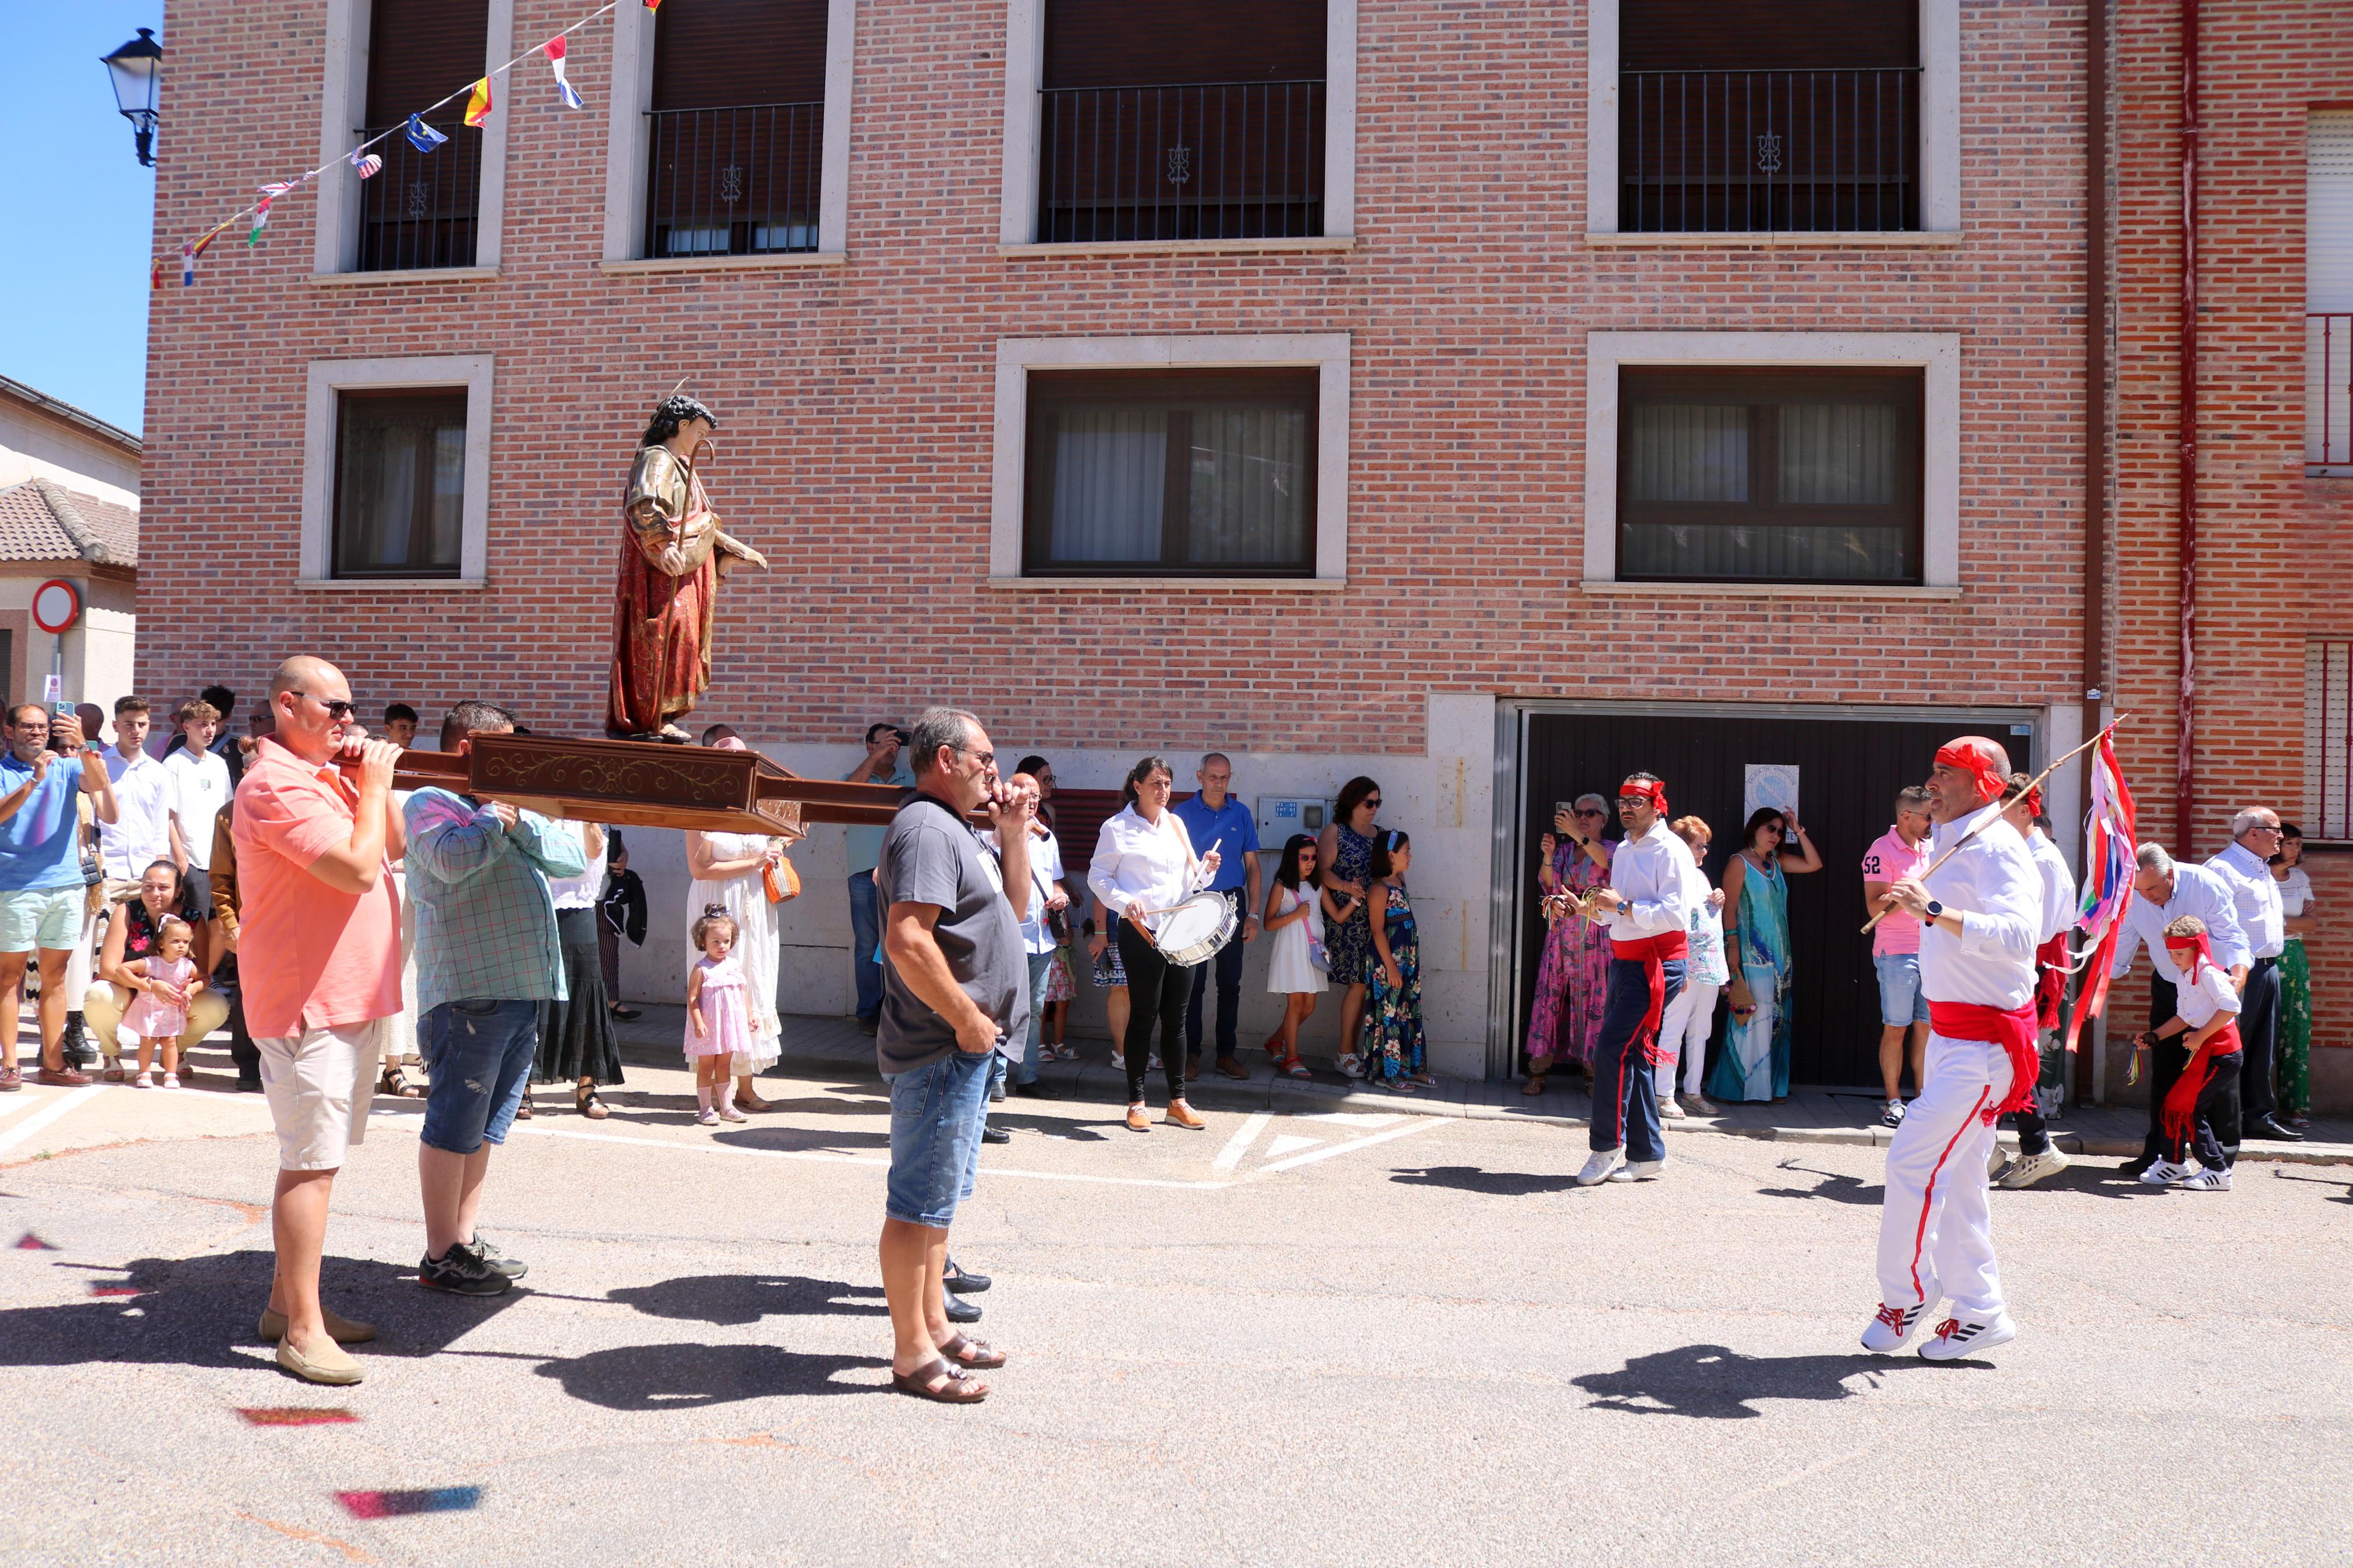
2206, 1096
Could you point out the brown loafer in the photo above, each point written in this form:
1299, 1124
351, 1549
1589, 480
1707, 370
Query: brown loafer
1181, 1115
1192, 1069
1138, 1118
342, 1330
61, 1077
324, 1363
11, 1080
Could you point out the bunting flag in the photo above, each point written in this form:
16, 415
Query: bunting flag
423, 137
268, 194
2109, 864
653, 5
477, 108
188, 267
366, 163
554, 50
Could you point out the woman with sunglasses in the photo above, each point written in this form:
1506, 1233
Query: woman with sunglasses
1754, 1063
1573, 976
1344, 848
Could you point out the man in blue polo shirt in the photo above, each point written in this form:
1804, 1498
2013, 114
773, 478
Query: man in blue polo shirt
42, 887
1215, 818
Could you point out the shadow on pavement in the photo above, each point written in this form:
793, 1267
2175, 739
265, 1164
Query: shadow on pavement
1471, 1178
793, 1140
690, 1376
1717, 1384
2344, 1198
1838, 1189
734, 1300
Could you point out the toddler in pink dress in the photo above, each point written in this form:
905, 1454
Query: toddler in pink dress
718, 1018
166, 982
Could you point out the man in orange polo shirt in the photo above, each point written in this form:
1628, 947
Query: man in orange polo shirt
319, 959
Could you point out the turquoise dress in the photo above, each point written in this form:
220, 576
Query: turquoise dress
1754, 1063
1393, 1046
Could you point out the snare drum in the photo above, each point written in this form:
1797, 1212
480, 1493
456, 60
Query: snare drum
1194, 929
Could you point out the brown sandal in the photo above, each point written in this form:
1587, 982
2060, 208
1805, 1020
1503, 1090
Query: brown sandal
589, 1105
966, 1351
394, 1082
1536, 1084
954, 1388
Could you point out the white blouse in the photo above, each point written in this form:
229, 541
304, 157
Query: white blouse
2295, 890
2213, 993
1150, 865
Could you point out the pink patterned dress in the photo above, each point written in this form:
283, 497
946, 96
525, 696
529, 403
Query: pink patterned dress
1573, 978
151, 1019
726, 1022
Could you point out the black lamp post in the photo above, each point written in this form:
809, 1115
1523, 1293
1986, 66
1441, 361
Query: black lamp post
137, 68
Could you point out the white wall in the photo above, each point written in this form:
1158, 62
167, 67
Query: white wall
1445, 798
33, 447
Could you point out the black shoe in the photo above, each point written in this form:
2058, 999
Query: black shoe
462, 1272
960, 1311
995, 1135
868, 1026
625, 1013
1034, 1091
963, 1284
75, 1044
248, 1086
484, 1248
2268, 1126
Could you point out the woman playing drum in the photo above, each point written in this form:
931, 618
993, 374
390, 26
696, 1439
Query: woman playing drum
1144, 864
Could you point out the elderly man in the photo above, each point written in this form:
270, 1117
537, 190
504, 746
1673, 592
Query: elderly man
955, 995
2245, 867
320, 936
2162, 893
1980, 913
487, 957
42, 888
1651, 875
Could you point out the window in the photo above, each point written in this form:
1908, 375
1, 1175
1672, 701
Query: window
400, 483
1210, 475
2328, 738
735, 135
422, 208
1797, 476
2329, 296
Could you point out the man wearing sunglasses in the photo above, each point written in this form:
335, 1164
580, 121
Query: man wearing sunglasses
1651, 873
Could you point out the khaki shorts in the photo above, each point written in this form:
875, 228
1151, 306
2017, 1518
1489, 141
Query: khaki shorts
320, 1085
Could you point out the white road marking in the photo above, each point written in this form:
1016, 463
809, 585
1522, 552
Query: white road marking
1288, 1143
1353, 1118
1312, 1155
1231, 1154
17, 1102
48, 1114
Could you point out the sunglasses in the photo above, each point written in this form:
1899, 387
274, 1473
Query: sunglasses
1592, 811
1370, 800
336, 709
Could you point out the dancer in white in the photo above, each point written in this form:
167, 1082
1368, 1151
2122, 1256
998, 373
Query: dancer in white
1980, 908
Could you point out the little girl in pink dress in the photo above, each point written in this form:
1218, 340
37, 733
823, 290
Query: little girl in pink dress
167, 982
718, 1020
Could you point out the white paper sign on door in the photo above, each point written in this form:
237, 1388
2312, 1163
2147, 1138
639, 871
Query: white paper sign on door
1771, 785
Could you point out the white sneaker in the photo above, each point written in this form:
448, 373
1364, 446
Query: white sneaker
1957, 1337
706, 1117
1891, 1329
1670, 1111
727, 1112
1639, 1171
1598, 1167
2029, 1169
2209, 1180
1351, 1064
1893, 1115
2164, 1174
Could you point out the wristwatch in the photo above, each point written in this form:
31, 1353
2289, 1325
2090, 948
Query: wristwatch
1935, 909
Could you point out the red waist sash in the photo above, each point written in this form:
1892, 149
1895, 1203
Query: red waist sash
2050, 980
1652, 953
2012, 1030
2181, 1101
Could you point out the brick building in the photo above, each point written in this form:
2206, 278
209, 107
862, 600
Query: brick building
1490, 399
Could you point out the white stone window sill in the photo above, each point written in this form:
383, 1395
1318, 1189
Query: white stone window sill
789, 262
411, 275
1808, 239
1765, 590
1322, 244
392, 584
1171, 585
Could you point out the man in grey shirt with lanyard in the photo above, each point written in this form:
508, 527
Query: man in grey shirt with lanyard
956, 994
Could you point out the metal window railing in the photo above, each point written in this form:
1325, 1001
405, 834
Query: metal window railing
1770, 151
421, 209
2328, 394
733, 182
1205, 160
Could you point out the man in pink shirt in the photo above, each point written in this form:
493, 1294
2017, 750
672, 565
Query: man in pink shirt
1901, 851
319, 963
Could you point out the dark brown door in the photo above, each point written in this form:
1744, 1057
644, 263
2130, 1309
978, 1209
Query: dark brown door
1849, 770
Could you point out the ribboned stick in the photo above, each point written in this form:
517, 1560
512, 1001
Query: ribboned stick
1973, 832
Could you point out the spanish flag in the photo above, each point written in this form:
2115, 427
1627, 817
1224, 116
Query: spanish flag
477, 108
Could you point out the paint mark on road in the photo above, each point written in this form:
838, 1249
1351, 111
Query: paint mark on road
1231, 1154
1308, 1158
1289, 1142
296, 1532
116, 1290
28, 1242
295, 1415
428, 1500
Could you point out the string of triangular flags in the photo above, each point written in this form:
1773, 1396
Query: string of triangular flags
366, 163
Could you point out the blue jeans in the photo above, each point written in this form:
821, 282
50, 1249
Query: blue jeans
865, 936
1042, 966
936, 1114
1902, 1002
1625, 1112
478, 1052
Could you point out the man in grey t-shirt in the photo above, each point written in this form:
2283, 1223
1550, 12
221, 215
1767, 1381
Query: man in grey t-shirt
956, 993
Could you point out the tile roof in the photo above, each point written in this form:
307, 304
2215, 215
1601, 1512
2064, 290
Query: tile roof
41, 520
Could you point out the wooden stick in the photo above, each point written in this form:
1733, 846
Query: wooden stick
1973, 832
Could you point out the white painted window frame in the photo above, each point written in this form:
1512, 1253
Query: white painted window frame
1025, 63
1936, 354
330, 377
1327, 352
342, 97
1939, 158
627, 146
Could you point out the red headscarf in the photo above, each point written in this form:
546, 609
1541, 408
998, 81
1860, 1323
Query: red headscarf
1655, 791
2197, 948
1969, 755
2179, 1110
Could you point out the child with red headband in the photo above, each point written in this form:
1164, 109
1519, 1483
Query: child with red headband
2206, 1024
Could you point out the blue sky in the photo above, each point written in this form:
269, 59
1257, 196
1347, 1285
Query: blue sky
74, 250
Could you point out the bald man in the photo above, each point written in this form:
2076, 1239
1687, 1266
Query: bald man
1980, 913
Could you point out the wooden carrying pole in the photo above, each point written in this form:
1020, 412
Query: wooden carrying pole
2032, 784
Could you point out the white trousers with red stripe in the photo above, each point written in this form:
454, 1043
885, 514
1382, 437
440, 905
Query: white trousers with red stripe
1935, 1232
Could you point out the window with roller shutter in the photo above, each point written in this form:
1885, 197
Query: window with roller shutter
735, 128
2329, 296
422, 209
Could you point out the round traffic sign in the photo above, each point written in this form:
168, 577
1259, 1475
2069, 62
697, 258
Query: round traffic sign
57, 605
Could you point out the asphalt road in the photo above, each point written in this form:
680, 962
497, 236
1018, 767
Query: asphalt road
1291, 1339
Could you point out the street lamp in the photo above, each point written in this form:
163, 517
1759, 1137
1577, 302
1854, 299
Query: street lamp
137, 68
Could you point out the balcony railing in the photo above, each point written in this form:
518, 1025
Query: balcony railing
733, 182
2328, 394
1207, 160
421, 209
1770, 151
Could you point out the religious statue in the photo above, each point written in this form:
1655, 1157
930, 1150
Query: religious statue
672, 557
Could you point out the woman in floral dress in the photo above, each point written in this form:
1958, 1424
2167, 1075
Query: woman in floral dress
1395, 1052
1573, 978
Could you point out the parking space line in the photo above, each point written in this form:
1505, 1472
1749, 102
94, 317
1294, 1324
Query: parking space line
1366, 1142
1231, 1154
48, 1114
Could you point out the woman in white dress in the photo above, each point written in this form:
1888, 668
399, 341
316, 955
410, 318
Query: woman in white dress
1294, 923
726, 867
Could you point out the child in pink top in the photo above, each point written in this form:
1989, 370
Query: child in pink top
718, 1022
167, 982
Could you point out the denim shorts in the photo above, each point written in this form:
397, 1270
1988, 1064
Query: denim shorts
937, 1111
1901, 1000
478, 1054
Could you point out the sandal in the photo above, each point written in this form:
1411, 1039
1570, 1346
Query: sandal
394, 1082
522, 1109
754, 1103
952, 1387
1421, 1080
1536, 1084
1294, 1068
588, 1105
966, 1351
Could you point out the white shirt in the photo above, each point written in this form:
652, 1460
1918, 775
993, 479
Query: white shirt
2255, 898
2196, 892
1045, 870
580, 893
199, 789
1141, 863
2196, 1005
1654, 873
140, 834
1993, 884
2295, 892
2058, 885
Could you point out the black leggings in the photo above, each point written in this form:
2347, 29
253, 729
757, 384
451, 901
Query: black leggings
1158, 992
